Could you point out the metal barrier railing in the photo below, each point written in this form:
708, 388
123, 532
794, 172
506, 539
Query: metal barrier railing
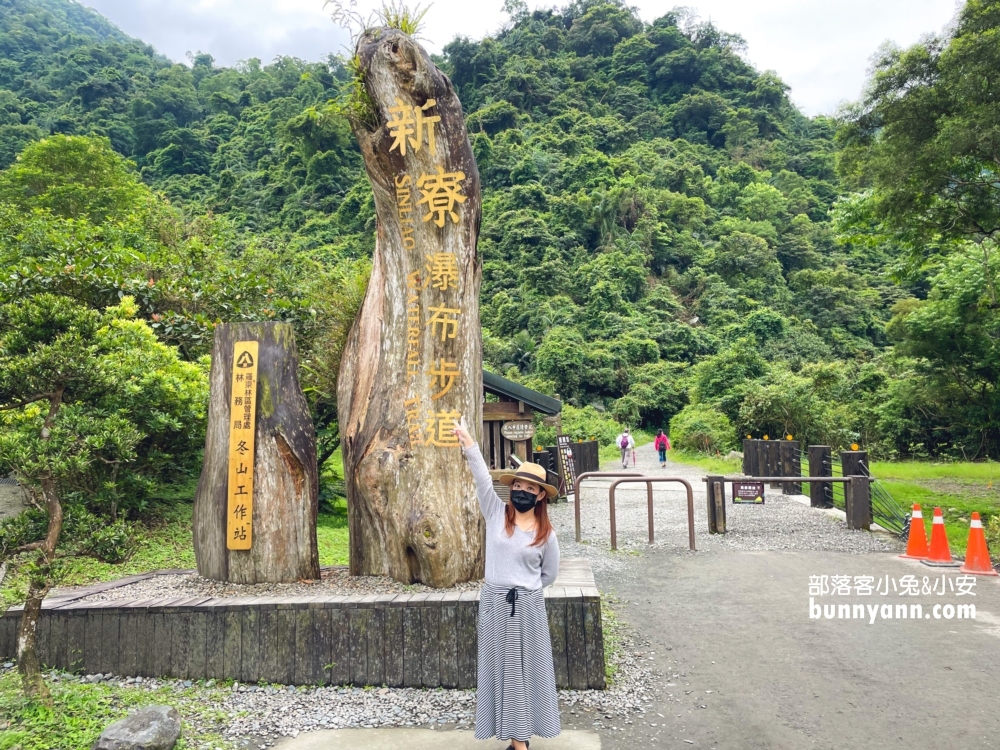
649, 481
592, 475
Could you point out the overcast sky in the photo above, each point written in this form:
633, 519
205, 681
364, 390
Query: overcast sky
821, 48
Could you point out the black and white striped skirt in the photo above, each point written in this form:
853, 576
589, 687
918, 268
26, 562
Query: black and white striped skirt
516, 698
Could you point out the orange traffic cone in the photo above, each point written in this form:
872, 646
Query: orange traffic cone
940, 552
916, 545
977, 555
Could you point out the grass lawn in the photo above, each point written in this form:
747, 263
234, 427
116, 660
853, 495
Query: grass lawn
958, 488
711, 464
331, 536
81, 712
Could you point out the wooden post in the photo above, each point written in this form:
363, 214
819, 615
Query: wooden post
521, 449
791, 466
710, 504
720, 506
759, 464
748, 457
820, 465
286, 484
497, 440
412, 363
858, 503
773, 448
854, 463
715, 490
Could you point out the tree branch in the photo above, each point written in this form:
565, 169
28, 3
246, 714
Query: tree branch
28, 547
31, 400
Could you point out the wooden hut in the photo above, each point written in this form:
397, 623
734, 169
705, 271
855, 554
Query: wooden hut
508, 424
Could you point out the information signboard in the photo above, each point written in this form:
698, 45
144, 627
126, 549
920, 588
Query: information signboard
518, 431
242, 425
751, 493
567, 467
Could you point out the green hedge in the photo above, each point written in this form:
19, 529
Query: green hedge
698, 427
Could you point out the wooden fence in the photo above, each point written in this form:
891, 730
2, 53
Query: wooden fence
785, 458
586, 456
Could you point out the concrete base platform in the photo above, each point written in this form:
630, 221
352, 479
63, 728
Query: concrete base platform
426, 739
399, 640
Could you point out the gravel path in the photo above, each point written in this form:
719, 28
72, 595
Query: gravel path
780, 523
335, 581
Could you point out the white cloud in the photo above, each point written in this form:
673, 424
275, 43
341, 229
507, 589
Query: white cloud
229, 30
821, 48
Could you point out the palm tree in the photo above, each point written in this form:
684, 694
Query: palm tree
522, 352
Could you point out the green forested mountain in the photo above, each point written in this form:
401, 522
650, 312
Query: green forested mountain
200, 134
42, 38
665, 236
652, 200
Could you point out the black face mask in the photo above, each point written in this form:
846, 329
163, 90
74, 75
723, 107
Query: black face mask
522, 500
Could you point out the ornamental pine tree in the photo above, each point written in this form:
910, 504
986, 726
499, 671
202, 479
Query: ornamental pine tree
94, 408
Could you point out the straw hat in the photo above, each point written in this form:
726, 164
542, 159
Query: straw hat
532, 473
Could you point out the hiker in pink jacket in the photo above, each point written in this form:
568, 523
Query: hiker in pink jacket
662, 445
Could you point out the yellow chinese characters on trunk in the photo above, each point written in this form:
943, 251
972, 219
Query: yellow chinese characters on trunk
410, 125
431, 290
243, 414
441, 193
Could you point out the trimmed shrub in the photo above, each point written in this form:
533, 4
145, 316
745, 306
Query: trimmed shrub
698, 427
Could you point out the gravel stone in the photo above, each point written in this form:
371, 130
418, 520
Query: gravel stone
335, 581
781, 523
259, 716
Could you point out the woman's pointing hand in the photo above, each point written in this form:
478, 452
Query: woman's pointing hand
462, 433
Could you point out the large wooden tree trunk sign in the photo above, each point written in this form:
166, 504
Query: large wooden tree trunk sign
412, 362
255, 509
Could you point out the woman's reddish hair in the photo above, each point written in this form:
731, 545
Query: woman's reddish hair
543, 526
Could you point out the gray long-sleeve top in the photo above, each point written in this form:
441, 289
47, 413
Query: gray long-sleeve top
510, 560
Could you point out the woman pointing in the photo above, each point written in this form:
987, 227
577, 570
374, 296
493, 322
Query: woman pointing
516, 694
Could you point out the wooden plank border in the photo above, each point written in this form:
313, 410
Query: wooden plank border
400, 640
